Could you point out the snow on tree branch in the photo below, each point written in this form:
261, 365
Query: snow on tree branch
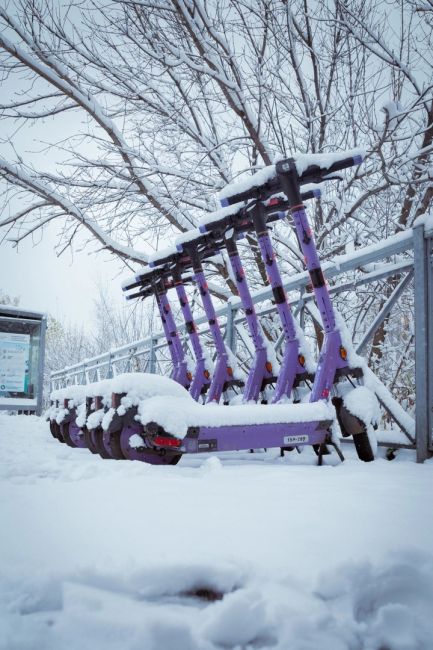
15, 175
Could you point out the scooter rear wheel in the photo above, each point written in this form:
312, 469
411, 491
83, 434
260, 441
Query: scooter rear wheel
111, 441
76, 434
97, 437
53, 429
58, 433
64, 428
142, 453
89, 441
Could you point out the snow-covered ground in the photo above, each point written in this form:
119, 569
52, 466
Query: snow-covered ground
98, 554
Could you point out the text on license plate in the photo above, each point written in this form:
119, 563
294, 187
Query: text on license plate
295, 440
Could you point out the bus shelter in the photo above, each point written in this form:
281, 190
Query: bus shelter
22, 352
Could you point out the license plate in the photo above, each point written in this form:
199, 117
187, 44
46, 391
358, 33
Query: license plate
295, 440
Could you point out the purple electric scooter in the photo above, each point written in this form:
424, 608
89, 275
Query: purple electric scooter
158, 282
109, 443
333, 364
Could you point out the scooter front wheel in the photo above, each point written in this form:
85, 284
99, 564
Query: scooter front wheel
351, 425
363, 447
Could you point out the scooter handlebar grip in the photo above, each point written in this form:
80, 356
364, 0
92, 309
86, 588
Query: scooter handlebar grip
317, 173
162, 260
238, 198
265, 189
132, 285
353, 161
311, 194
139, 294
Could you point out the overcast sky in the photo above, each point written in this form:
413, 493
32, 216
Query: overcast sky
63, 286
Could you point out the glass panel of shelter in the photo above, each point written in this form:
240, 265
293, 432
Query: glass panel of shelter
19, 358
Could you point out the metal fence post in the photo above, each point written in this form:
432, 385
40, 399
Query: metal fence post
423, 341
152, 356
41, 363
230, 327
109, 366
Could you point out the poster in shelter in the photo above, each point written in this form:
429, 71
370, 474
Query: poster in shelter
14, 362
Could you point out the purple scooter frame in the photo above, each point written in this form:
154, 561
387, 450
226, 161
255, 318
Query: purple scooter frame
202, 376
333, 355
261, 371
180, 371
223, 373
293, 364
254, 436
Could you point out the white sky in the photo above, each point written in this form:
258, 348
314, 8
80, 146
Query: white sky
63, 286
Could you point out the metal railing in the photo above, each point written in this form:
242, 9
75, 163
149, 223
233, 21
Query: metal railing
411, 251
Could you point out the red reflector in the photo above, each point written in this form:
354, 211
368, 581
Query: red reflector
274, 201
230, 371
325, 393
165, 441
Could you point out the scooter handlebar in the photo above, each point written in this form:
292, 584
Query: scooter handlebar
140, 294
270, 187
236, 219
317, 172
